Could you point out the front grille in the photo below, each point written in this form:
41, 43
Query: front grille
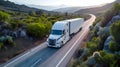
52, 42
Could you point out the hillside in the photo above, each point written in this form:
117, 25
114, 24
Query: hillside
83, 10
7, 5
68, 9
97, 10
48, 8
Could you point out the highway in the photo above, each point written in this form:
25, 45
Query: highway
42, 56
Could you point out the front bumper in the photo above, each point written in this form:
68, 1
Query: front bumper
55, 46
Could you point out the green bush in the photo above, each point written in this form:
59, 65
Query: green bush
94, 44
36, 29
8, 41
91, 47
48, 27
116, 8
97, 20
1, 45
4, 16
15, 23
114, 46
103, 53
115, 31
75, 63
109, 58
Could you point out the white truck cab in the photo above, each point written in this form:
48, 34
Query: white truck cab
59, 34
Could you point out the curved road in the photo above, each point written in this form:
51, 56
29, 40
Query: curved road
42, 56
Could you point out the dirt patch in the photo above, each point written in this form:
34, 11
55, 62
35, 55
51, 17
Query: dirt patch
22, 45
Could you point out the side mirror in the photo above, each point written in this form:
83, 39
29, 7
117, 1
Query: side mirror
63, 32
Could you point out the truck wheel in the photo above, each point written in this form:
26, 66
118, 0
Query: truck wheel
62, 44
80, 29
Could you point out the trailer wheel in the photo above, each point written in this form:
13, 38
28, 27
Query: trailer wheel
80, 29
62, 44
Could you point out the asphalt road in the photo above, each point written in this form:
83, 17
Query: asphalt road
42, 56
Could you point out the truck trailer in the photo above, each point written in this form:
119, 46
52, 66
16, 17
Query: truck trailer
63, 31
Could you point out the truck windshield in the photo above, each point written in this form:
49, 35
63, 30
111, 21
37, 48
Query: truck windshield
56, 32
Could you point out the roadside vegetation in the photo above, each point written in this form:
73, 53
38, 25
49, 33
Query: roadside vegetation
103, 43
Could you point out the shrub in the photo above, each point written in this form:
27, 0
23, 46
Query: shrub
97, 20
115, 31
94, 44
36, 29
116, 8
48, 27
15, 23
105, 31
8, 41
103, 53
114, 46
75, 63
109, 58
79, 52
1, 45
91, 46
4, 16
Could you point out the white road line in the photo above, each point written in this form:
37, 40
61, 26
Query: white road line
70, 50
17, 59
36, 62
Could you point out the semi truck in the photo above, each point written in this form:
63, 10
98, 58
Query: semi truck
63, 31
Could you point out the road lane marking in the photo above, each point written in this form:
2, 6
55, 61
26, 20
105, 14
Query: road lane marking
70, 49
8, 65
36, 62
16, 59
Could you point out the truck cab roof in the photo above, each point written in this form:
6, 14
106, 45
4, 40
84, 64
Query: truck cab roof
59, 25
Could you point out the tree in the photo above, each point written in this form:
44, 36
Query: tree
115, 31
117, 8
93, 45
48, 27
4, 16
114, 46
108, 59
